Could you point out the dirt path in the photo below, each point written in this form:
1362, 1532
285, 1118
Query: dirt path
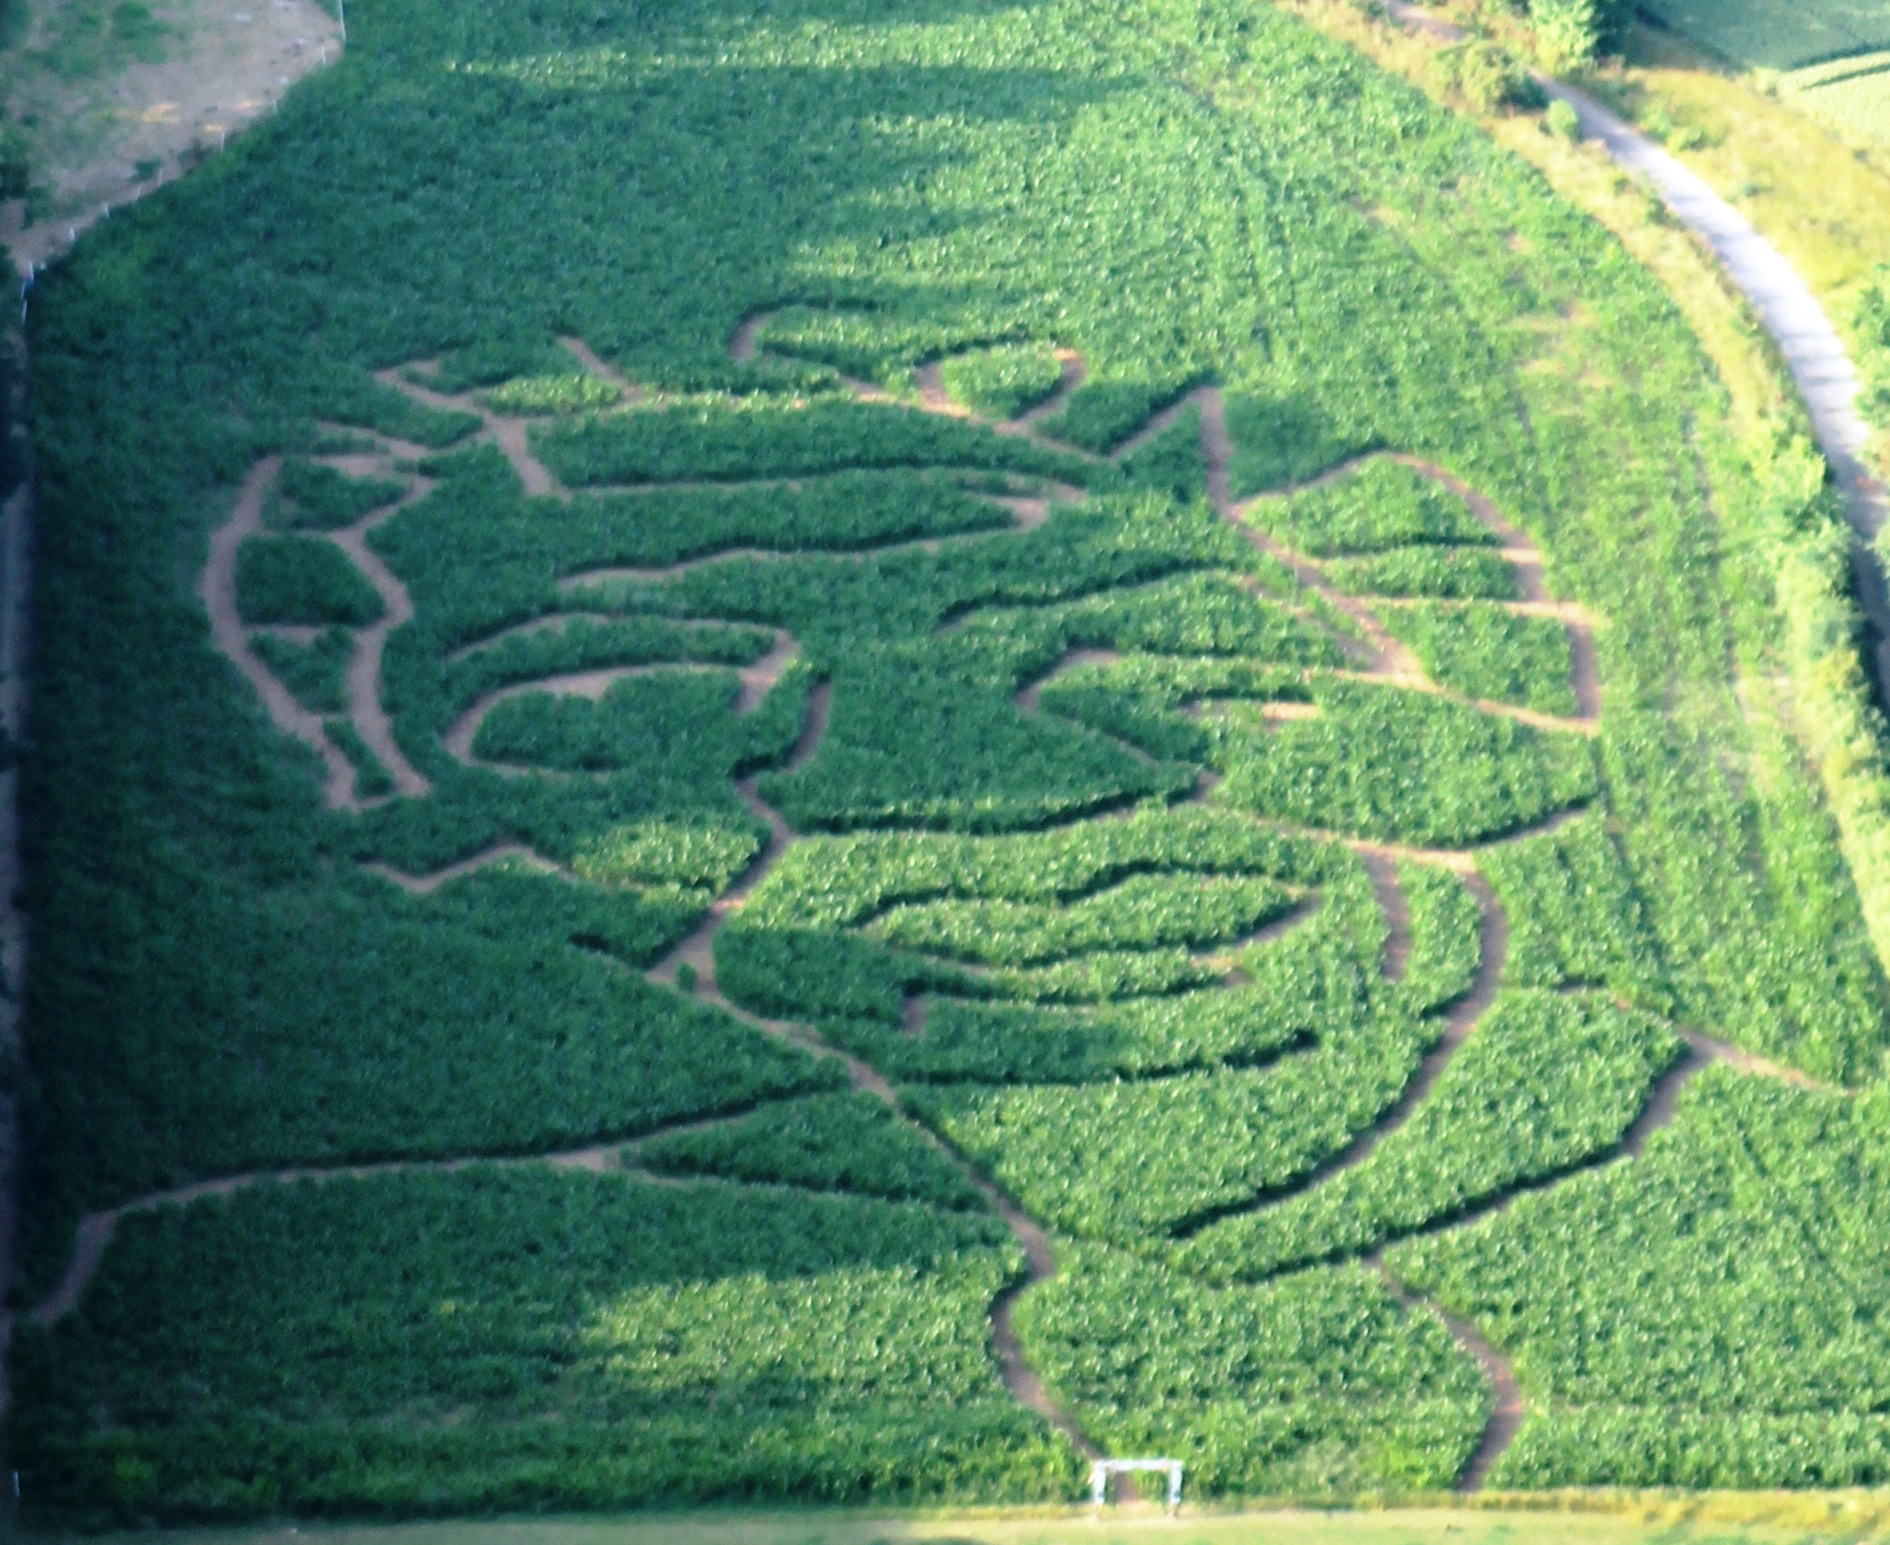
498, 853
217, 588
511, 435
218, 591
370, 643
96, 1229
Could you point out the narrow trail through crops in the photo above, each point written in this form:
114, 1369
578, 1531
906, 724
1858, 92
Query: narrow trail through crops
690, 966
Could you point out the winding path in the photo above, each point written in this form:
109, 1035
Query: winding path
1379, 658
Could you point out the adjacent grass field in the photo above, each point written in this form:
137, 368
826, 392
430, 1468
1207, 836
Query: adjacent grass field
962, 635
1778, 34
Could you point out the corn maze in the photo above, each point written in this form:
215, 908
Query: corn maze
1047, 804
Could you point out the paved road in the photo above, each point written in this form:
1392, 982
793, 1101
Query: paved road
1785, 306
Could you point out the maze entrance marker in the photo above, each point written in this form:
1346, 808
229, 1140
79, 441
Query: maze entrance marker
1103, 1469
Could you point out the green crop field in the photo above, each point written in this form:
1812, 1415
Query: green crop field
796, 754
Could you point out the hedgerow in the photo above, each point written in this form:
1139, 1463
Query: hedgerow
1544, 1083
1143, 912
1447, 573
1446, 945
1746, 1225
733, 438
1382, 505
301, 580
1575, 917
1381, 762
827, 1142
371, 777
1002, 382
1486, 652
1125, 1160
323, 499
1318, 1385
732, 1340
314, 671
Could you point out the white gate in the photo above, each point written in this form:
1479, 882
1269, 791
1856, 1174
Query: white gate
1102, 1469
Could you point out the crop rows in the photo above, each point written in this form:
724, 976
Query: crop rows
887, 777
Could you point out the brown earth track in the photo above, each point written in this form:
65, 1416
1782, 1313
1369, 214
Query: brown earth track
501, 852
364, 669
1027, 699
603, 369
1386, 660
96, 1229
1383, 871
217, 588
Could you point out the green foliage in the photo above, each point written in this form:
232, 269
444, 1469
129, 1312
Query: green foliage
371, 777
1171, 461
325, 499
1544, 1083
1446, 944
1319, 1385
1143, 912
298, 580
1100, 414
315, 672
492, 361
836, 881
1281, 440
1449, 574
1383, 504
1575, 917
738, 437
669, 719
572, 391
906, 749
827, 1142
1561, 120
1767, 963
614, 1343
1183, 194
1568, 32
1002, 382
1487, 78
652, 852
1728, 1278
1198, 614
1125, 1160
1382, 762
1486, 652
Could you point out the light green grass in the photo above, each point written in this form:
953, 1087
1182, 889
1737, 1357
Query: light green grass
1758, 1518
